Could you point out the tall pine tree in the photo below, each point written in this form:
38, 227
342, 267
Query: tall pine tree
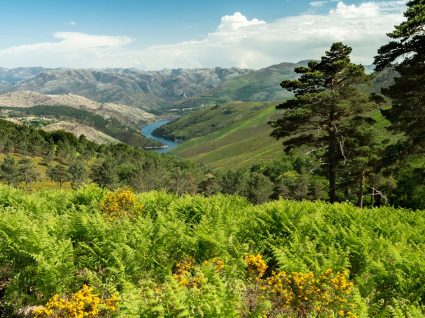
326, 97
406, 52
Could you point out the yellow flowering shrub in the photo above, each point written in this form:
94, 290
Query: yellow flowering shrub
256, 264
186, 275
82, 304
300, 294
121, 203
217, 263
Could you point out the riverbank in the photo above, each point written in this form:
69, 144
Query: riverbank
147, 131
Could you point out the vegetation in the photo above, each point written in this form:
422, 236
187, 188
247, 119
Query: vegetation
112, 127
209, 119
327, 108
254, 86
67, 159
210, 243
406, 55
158, 254
238, 135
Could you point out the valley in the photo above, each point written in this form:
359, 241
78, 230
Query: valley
229, 136
185, 159
114, 103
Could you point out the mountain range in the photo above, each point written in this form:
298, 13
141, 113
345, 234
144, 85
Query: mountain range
151, 91
155, 91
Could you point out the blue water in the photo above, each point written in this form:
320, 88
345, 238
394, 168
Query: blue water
147, 132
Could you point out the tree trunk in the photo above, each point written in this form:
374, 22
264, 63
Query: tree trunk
332, 168
361, 189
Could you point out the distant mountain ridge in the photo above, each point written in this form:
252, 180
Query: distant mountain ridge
157, 91
142, 89
260, 85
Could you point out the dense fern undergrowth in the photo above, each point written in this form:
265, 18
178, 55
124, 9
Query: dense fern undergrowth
121, 254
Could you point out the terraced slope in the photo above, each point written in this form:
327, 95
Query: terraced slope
242, 141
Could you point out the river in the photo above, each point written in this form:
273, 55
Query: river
147, 132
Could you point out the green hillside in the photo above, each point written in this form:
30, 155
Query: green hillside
42, 115
233, 135
261, 85
121, 254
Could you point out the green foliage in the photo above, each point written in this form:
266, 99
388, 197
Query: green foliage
58, 173
207, 120
405, 54
127, 133
328, 106
54, 242
77, 173
9, 170
27, 171
238, 135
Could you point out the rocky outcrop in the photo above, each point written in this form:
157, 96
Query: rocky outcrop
123, 113
79, 129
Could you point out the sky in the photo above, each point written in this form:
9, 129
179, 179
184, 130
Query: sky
161, 34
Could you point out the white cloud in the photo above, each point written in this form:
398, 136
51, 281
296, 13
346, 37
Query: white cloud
319, 4
72, 49
237, 41
236, 21
367, 9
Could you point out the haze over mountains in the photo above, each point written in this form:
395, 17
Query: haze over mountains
154, 90
133, 87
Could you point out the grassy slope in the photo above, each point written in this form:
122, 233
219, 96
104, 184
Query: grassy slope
43, 182
237, 140
239, 144
261, 85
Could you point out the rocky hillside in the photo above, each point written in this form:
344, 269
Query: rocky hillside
147, 90
10, 77
78, 129
115, 121
124, 114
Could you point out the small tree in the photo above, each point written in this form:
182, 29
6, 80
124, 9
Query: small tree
58, 173
209, 185
27, 171
9, 170
234, 182
49, 156
77, 173
260, 188
105, 174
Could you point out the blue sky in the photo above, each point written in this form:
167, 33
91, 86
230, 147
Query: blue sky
168, 34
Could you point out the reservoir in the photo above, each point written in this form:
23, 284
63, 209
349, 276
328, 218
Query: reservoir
147, 132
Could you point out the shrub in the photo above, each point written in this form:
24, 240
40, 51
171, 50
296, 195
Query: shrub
83, 303
121, 203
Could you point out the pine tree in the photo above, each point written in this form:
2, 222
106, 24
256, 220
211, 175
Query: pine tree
234, 182
58, 173
363, 151
77, 173
105, 174
406, 52
209, 185
326, 96
9, 170
260, 188
27, 171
